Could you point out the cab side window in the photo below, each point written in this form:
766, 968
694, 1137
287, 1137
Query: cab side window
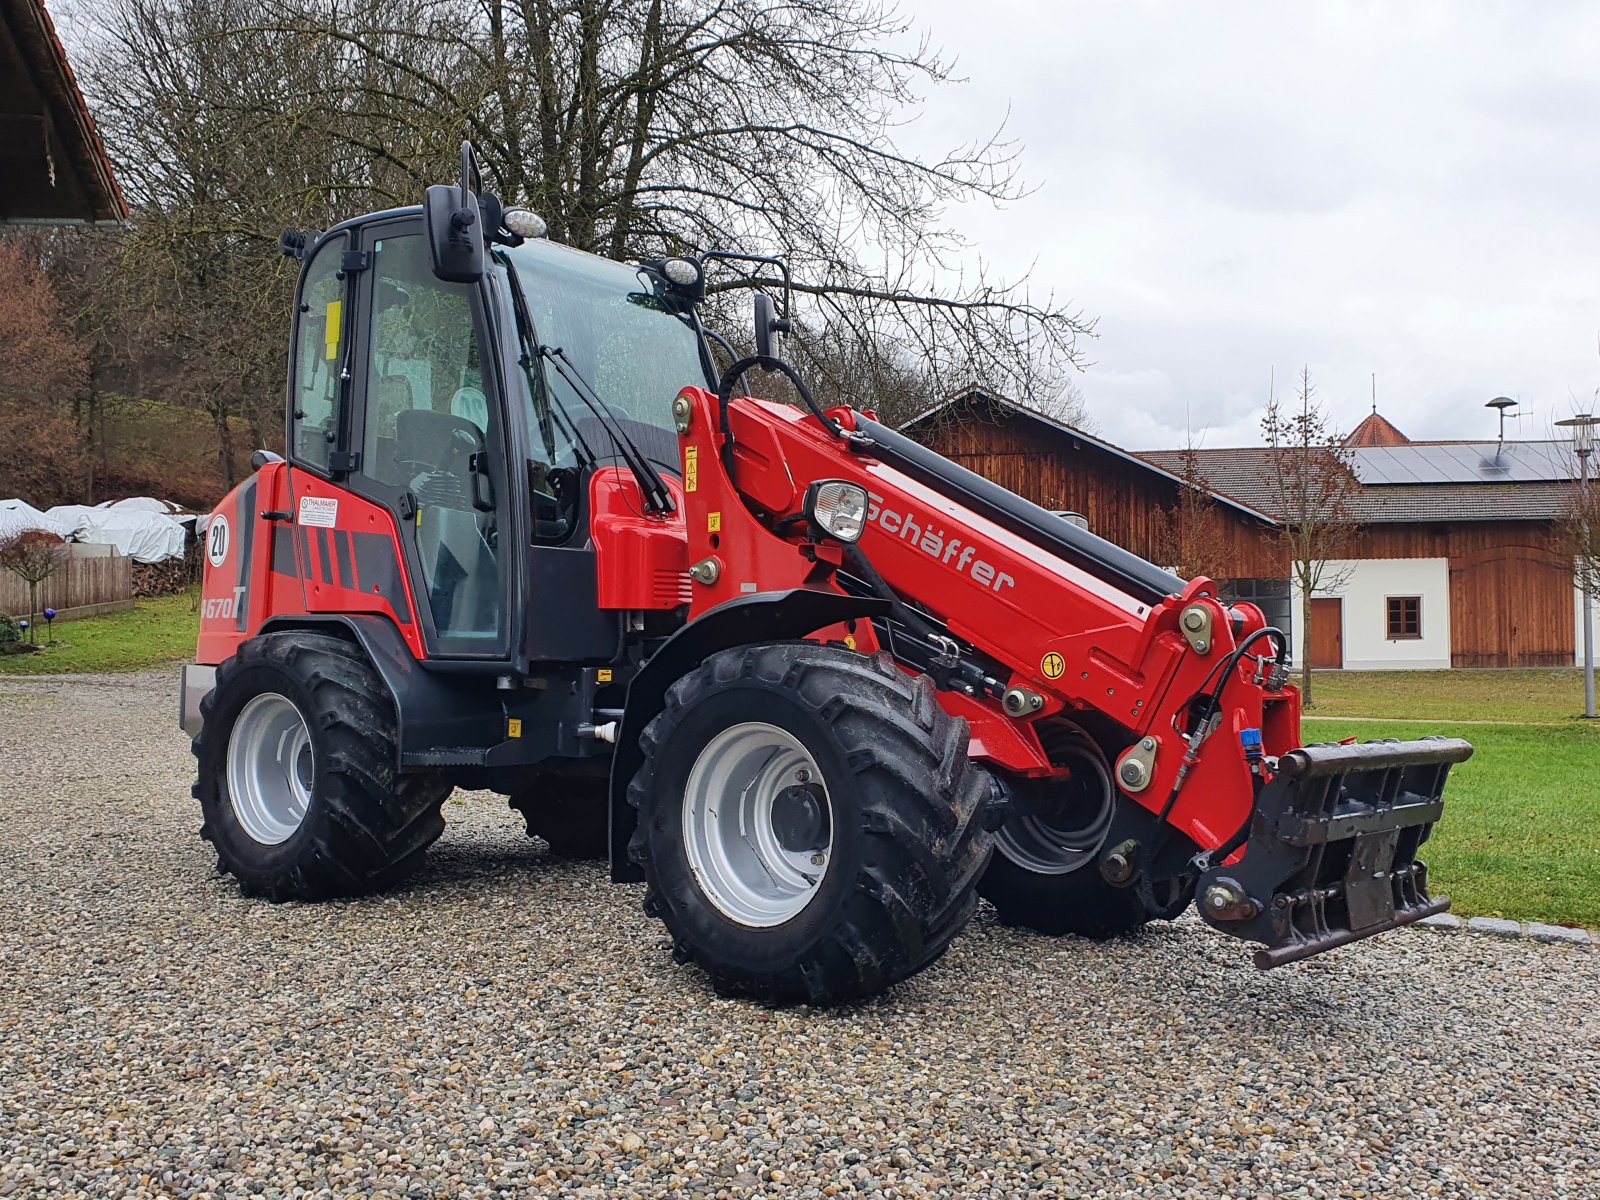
424, 360
319, 357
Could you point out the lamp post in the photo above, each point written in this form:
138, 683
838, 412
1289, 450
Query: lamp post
1582, 426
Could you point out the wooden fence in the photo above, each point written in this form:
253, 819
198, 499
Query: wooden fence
84, 584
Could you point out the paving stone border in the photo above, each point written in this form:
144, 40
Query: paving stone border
1561, 935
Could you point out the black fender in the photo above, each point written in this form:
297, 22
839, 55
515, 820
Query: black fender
761, 617
442, 719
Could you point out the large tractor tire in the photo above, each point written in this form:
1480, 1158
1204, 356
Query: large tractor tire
297, 781
568, 813
1045, 873
810, 827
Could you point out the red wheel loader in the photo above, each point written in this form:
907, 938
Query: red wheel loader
814, 685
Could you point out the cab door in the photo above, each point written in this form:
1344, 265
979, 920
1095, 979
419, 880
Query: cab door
428, 440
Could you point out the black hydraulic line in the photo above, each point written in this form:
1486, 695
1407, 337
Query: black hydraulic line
766, 362
898, 608
1228, 667
1105, 560
708, 334
1241, 835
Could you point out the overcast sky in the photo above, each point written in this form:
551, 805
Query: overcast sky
1411, 189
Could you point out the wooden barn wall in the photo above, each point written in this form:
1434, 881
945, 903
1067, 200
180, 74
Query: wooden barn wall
1123, 502
1510, 593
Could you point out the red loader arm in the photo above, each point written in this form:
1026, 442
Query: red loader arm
1074, 641
1193, 688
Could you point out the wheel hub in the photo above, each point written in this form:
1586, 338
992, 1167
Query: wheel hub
270, 768
757, 824
797, 817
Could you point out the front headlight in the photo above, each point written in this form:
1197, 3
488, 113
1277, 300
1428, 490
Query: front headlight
837, 508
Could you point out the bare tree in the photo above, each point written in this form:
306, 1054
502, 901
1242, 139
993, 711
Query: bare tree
42, 366
1578, 533
1308, 477
1192, 534
635, 127
32, 555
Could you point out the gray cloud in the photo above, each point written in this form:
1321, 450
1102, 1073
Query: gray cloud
1411, 190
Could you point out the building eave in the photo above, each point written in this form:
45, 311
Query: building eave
55, 166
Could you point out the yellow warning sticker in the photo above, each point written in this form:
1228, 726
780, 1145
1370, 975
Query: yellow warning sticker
849, 641
1053, 665
714, 522
691, 468
603, 675
332, 323
513, 727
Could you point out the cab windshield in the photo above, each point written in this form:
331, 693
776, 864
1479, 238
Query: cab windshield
635, 352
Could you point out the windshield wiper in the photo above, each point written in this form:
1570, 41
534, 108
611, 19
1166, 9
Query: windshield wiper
654, 489
656, 495
557, 412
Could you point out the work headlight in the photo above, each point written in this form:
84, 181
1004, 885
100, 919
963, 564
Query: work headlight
837, 508
684, 272
523, 223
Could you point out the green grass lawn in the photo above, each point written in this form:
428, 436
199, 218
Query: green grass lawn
1520, 836
155, 631
1449, 695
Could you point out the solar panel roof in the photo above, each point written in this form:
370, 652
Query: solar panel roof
1464, 462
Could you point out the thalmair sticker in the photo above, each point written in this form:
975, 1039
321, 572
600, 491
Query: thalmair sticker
217, 540
322, 511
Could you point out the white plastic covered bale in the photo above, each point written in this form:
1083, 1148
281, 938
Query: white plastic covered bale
143, 535
18, 516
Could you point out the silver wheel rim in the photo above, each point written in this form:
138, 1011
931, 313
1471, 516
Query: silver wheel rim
757, 824
1070, 836
270, 768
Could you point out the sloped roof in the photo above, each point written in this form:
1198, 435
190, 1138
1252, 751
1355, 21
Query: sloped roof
1241, 473
1245, 473
53, 166
1376, 430
1054, 428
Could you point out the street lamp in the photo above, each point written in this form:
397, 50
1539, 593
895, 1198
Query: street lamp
1582, 426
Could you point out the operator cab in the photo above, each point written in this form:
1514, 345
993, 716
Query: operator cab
475, 410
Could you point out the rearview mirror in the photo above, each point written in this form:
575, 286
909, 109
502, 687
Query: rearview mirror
455, 225
767, 324
455, 234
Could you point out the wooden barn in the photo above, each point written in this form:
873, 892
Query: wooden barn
1456, 562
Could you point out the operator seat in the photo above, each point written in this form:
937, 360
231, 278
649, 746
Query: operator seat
470, 404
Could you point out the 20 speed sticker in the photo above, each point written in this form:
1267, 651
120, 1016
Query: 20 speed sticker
217, 540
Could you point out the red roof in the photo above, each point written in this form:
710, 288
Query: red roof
1376, 431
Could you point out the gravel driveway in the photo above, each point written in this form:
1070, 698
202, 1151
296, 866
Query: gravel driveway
509, 1025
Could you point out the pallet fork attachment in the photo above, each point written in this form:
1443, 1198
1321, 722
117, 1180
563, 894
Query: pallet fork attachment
1332, 851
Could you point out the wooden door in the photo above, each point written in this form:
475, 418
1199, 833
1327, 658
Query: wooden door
1327, 634
1511, 606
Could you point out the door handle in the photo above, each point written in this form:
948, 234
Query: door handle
482, 486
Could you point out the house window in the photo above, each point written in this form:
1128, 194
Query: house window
1404, 617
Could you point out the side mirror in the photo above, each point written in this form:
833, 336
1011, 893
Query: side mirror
454, 218
767, 324
455, 233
